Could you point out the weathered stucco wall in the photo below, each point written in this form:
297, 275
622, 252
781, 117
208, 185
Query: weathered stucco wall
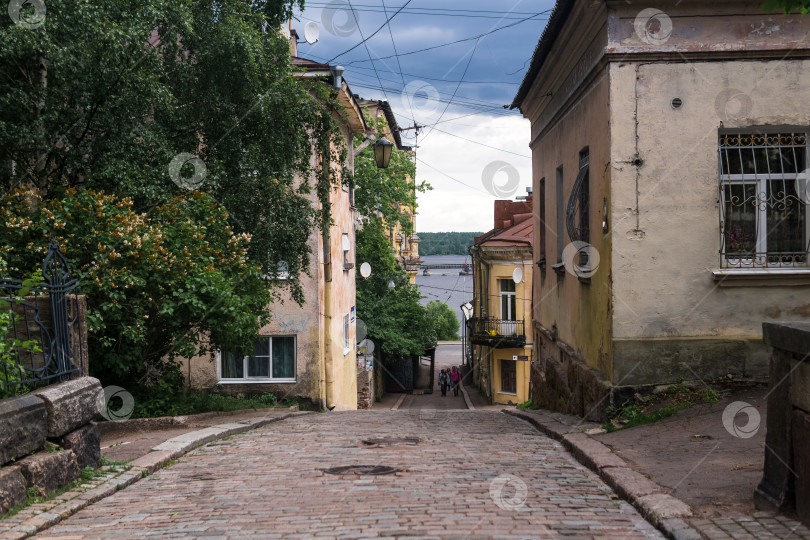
317, 324
666, 216
576, 312
343, 297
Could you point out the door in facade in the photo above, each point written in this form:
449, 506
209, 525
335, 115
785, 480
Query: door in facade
508, 307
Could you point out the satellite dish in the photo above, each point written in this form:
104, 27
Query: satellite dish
517, 275
366, 346
311, 32
365, 269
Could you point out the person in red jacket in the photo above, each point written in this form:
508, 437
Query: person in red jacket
455, 378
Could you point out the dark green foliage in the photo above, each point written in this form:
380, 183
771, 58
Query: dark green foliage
95, 104
155, 283
395, 320
446, 243
788, 6
444, 320
383, 192
131, 85
154, 404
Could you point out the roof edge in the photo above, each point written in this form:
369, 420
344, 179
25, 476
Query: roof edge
549, 36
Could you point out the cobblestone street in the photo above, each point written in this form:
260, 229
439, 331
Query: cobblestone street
471, 474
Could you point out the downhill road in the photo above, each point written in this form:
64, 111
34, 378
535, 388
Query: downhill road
459, 474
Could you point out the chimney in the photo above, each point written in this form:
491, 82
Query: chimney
293, 42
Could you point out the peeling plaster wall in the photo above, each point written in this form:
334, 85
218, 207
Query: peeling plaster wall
667, 242
308, 322
670, 316
578, 313
343, 296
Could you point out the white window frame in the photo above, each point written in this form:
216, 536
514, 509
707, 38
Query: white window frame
508, 326
346, 246
759, 261
253, 380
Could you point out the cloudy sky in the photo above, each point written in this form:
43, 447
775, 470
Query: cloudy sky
449, 66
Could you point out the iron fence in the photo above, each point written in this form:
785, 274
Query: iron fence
39, 313
496, 332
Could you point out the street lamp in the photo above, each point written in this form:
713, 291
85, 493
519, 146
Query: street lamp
382, 152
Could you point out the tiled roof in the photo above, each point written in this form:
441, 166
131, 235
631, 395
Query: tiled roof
521, 233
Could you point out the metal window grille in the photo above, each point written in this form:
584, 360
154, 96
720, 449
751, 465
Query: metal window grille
763, 200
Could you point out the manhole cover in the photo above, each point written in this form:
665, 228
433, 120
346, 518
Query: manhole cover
390, 441
361, 470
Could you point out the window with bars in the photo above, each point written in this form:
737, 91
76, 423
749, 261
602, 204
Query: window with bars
763, 199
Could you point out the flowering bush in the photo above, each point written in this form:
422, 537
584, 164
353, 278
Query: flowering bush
175, 281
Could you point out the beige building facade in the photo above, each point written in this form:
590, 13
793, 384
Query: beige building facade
668, 148
308, 351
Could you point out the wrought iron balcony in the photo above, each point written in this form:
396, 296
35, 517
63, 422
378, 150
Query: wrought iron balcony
497, 333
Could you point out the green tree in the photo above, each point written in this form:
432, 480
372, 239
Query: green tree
382, 193
446, 243
788, 6
444, 320
157, 284
104, 95
394, 319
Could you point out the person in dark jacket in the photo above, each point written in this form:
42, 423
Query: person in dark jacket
444, 381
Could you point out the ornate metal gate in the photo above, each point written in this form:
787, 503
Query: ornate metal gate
40, 313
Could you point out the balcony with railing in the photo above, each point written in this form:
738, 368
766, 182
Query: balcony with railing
412, 264
497, 333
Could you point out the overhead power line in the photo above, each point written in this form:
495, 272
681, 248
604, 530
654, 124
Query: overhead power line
436, 12
387, 20
479, 36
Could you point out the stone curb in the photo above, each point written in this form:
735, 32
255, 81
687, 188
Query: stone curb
162, 422
467, 400
140, 468
650, 499
398, 404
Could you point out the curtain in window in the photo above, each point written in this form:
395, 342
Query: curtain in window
259, 363
284, 357
232, 366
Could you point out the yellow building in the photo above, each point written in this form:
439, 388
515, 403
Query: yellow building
498, 346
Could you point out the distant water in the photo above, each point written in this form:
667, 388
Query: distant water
446, 285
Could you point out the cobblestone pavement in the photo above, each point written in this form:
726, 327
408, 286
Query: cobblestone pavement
436, 400
759, 525
472, 474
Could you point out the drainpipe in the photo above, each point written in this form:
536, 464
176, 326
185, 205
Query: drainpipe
486, 276
328, 362
329, 371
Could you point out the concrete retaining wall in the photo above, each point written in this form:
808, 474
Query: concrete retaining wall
60, 414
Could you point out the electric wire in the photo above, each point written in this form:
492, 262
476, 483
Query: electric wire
388, 20
368, 52
396, 54
477, 37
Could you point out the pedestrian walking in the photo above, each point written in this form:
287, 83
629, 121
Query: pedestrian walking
444, 381
455, 379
